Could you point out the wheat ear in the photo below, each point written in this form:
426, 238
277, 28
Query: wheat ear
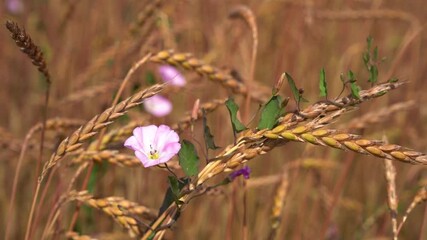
345, 141
115, 158
188, 62
121, 210
77, 236
98, 122
319, 108
27, 46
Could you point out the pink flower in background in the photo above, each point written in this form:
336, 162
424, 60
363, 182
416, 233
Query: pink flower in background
15, 6
158, 106
172, 75
154, 145
245, 171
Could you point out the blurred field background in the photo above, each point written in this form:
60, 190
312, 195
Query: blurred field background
332, 194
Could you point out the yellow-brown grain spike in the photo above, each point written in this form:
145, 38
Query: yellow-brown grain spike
319, 108
124, 212
188, 62
77, 236
344, 141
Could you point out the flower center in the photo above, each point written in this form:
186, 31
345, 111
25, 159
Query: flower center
154, 155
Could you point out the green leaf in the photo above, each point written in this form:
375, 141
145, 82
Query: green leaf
170, 196
369, 43
209, 138
188, 159
351, 77
393, 80
174, 186
355, 89
373, 75
322, 84
271, 113
375, 54
150, 79
232, 109
366, 58
295, 91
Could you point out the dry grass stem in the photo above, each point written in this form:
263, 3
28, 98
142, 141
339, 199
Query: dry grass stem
420, 197
281, 193
392, 200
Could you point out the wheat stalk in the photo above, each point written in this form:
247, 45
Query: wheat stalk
420, 197
279, 202
98, 122
392, 200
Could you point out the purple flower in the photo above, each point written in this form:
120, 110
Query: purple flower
154, 145
158, 106
172, 75
15, 6
245, 171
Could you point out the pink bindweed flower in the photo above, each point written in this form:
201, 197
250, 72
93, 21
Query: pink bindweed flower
245, 171
15, 6
154, 145
158, 106
172, 75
